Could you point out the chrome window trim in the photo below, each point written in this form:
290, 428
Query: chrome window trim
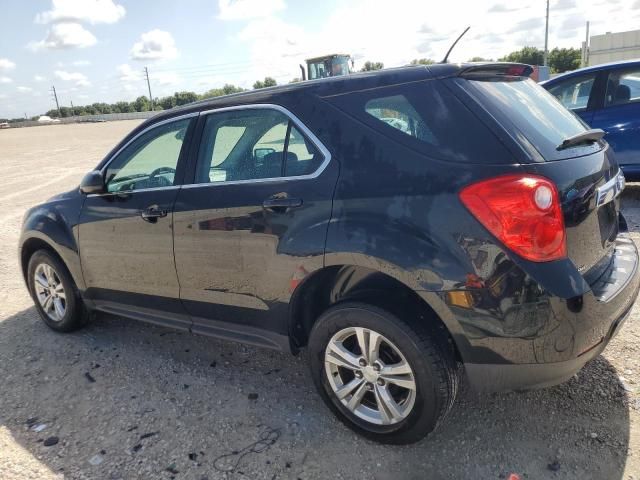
298, 124
103, 170
129, 192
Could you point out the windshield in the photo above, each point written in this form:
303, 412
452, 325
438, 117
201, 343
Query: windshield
329, 67
537, 115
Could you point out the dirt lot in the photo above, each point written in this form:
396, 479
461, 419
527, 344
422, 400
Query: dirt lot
127, 400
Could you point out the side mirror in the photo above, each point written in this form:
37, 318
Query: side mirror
92, 183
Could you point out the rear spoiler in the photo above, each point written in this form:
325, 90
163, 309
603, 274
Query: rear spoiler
488, 70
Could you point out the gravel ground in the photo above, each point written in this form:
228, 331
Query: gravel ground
124, 400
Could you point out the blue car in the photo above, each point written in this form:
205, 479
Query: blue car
607, 97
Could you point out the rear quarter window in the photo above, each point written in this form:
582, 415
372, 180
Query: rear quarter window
427, 117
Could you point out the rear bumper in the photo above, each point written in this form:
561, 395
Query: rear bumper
573, 332
502, 378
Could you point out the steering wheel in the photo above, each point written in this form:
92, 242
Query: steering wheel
157, 181
161, 170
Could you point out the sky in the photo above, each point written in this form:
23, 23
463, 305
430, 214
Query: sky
96, 50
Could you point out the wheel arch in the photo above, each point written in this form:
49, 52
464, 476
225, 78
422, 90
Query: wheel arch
340, 283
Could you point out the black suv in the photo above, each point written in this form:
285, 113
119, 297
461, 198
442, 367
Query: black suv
401, 225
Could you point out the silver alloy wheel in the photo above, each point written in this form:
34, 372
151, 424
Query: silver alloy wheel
370, 376
50, 292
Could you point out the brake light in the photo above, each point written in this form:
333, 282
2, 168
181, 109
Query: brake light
523, 212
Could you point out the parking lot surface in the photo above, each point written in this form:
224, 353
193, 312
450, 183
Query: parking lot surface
125, 400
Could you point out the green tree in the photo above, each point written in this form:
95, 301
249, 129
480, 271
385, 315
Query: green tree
182, 98
227, 89
528, 55
480, 59
267, 82
142, 104
564, 59
166, 102
369, 66
122, 107
418, 61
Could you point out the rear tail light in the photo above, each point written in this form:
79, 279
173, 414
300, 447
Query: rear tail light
523, 212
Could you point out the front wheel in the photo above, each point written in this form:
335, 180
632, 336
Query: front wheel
54, 293
383, 378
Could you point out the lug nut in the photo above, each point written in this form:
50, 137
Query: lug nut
381, 382
369, 386
376, 367
362, 362
358, 374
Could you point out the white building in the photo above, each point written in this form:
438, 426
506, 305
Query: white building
613, 47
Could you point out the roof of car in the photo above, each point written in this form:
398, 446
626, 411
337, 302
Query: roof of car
322, 87
594, 68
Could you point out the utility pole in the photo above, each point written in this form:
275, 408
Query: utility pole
585, 53
72, 111
146, 74
56, 97
546, 38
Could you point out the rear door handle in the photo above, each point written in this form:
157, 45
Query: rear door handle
281, 204
152, 213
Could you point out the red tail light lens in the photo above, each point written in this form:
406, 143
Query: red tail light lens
523, 212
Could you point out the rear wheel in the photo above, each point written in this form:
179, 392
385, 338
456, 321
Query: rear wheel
385, 379
54, 293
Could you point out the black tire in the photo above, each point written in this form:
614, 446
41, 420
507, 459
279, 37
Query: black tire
428, 352
76, 315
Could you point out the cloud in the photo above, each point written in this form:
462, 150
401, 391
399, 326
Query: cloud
502, 8
24, 89
63, 36
128, 74
165, 79
6, 65
90, 11
534, 23
246, 9
5, 80
81, 63
39, 78
563, 5
79, 79
154, 45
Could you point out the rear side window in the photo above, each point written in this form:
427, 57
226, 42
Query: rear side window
537, 116
427, 117
397, 112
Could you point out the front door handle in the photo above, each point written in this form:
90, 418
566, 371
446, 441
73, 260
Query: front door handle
281, 204
152, 213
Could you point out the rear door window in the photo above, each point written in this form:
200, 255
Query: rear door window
254, 144
623, 86
427, 117
535, 114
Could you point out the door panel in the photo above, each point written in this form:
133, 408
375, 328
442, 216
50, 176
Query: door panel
121, 252
126, 236
243, 237
622, 124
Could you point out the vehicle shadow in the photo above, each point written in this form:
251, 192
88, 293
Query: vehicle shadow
128, 400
